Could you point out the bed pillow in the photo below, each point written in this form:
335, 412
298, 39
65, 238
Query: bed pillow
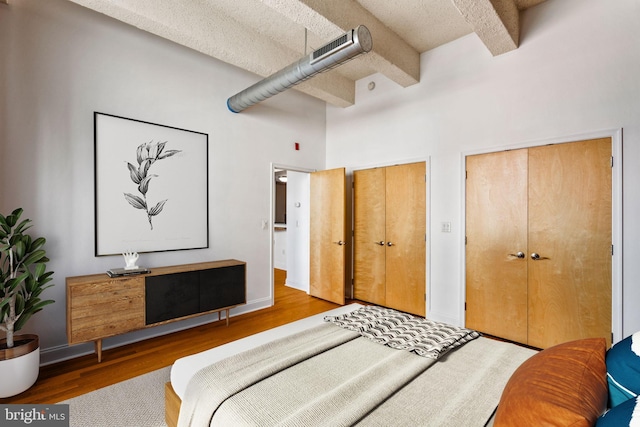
564, 385
623, 370
621, 415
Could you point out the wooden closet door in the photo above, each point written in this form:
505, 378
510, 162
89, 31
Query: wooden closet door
496, 230
369, 235
570, 229
328, 235
406, 237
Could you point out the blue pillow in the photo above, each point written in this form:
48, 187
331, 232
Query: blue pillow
623, 370
620, 415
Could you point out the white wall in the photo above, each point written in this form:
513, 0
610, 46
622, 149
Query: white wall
60, 63
298, 230
577, 70
280, 247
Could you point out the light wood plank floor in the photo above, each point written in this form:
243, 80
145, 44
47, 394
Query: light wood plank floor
64, 380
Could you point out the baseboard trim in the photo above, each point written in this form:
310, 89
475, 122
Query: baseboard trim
299, 286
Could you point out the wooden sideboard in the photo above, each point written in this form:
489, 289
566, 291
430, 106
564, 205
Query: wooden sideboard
99, 306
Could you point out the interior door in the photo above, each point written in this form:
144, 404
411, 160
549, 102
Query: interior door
406, 237
496, 244
328, 235
369, 235
570, 231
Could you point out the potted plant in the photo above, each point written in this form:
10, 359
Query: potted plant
23, 277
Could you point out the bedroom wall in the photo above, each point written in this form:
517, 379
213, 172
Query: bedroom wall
60, 63
576, 71
298, 230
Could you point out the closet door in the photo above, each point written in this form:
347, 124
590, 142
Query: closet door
389, 236
496, 235
328, 235
406, 237
570, 231
538, 252
369, 236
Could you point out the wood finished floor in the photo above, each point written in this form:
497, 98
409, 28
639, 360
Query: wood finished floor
64, 380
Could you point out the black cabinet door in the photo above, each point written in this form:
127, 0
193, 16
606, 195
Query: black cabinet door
171, 296
222, 287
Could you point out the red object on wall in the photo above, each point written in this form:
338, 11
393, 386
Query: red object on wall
297, 146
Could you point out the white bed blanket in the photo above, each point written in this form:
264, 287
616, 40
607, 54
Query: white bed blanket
344, 385
185, 368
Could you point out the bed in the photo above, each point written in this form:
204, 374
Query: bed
365, 366
318, 372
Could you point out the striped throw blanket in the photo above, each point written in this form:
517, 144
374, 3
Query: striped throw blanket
404, 331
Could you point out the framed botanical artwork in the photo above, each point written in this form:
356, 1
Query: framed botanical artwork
151, 187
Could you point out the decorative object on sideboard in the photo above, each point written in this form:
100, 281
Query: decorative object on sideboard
130, 267
130, 259
23, 278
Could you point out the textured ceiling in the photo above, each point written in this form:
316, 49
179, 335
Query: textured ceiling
264, 36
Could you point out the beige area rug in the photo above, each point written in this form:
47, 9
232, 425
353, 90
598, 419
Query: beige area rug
137, 402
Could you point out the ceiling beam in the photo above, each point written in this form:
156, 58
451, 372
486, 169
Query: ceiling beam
496, 22
391, 55
217, 35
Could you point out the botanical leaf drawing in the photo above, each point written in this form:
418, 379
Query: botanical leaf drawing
147, 154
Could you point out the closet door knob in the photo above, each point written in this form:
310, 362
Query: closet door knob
340, 242
518, 255
537, 257
389, 244
381, 243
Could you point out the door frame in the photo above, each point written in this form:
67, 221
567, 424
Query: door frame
616, 216
272, 214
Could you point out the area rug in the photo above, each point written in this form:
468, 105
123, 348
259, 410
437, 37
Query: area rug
137, 402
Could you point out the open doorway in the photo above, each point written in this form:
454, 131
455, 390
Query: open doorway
290, 231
